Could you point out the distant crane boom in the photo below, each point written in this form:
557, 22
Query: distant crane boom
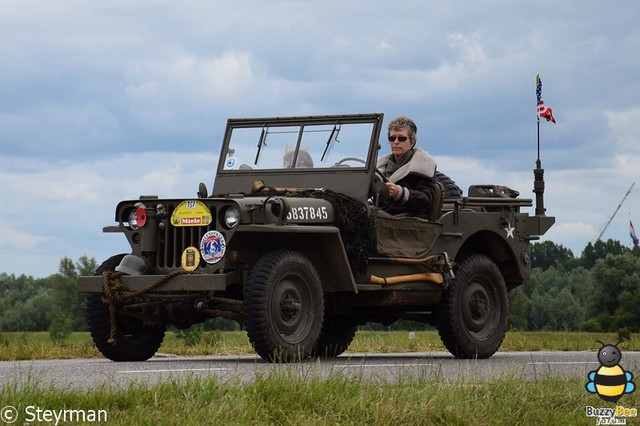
604, 228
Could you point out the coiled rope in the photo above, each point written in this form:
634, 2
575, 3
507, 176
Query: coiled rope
115, 294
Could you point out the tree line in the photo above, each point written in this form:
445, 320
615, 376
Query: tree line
596, 291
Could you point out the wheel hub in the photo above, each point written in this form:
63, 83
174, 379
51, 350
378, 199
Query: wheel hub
289, 307
478, 306
477, 313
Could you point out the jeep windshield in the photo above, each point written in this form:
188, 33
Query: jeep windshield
319, 150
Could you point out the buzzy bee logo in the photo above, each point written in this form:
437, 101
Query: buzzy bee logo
610, 382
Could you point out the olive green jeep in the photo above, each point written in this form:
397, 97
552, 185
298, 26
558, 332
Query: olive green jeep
291, 245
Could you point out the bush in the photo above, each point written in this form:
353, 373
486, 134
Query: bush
60, 328
591, 325
192, 335
624, 334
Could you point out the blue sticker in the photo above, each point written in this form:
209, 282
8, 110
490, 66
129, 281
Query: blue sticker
231, 161
212, 247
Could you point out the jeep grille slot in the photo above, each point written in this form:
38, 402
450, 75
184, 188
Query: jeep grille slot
174, 239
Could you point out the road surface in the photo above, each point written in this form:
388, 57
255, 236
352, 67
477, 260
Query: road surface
91, 373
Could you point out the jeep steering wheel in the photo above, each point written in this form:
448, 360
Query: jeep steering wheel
345, 159
380, 176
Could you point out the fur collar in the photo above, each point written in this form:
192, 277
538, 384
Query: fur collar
421, 163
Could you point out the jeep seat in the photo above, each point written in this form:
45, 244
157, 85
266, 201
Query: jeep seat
435, 211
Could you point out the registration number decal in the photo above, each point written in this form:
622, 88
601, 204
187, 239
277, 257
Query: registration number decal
308, 213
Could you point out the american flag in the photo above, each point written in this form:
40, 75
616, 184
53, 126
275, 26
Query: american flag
543, 111
632, 233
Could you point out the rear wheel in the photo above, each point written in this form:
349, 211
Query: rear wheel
472, 315
283, 306
135, 341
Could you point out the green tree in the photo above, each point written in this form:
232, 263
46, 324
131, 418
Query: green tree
518, 303
616, 290
29, 304
558, 299
547, 254
24, 303
627, 315
599, 250
66, 300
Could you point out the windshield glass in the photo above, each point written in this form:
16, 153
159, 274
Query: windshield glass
301, 146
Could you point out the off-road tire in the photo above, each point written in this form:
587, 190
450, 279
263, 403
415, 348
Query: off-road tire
134, 340
283, 306
335, 338
472, 315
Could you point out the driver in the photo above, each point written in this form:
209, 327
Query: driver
410, 171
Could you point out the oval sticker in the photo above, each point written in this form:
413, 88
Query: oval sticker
191, 213
190, 259
212, 246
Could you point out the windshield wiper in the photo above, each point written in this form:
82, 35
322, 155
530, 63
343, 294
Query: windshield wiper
335, 131
261, 142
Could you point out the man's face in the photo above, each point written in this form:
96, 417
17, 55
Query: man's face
399, 142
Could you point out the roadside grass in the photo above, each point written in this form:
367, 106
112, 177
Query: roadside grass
38, 345
295, 397
288, 398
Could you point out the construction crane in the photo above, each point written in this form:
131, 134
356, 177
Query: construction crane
604, 228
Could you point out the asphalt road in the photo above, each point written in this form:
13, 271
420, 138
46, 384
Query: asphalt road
91, 373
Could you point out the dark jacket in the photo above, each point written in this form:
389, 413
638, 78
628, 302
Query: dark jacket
417, 184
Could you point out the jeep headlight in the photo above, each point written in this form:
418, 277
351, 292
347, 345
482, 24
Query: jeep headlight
133, 220
137, 217
230, 217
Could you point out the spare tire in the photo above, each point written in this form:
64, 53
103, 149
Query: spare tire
451, 190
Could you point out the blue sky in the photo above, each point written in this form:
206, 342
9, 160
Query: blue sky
103, 102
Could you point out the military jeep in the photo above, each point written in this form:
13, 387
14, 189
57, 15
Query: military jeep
291, 243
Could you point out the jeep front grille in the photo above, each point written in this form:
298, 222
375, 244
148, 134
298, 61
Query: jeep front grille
172, 240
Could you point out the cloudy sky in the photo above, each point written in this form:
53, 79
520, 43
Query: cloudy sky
103, 101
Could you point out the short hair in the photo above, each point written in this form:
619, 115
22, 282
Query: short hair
404, 123
303, 160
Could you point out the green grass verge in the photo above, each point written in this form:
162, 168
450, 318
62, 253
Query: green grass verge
290, 399
284, 397
24, 346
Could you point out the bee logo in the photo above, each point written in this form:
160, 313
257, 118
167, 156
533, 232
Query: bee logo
610, 381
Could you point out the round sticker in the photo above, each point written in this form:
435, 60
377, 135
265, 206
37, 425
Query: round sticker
212, 246
191, 213
231, 162
190, 259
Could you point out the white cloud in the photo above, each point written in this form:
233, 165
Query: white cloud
625, 127
101, 102
14, 239
469, 47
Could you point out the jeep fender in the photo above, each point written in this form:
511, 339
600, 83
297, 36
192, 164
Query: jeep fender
322, 244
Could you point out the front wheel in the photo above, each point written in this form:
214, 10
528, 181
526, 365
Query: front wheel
335, 338
472, 315
135, 341
283, 306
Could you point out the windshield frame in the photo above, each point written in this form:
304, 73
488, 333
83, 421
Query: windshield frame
235, 175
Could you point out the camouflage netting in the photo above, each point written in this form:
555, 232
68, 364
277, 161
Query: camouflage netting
351, 218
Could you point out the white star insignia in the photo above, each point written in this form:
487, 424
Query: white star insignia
510, 230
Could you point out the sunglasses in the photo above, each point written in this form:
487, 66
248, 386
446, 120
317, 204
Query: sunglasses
400, 138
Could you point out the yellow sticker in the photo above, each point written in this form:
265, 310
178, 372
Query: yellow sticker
190, 259
191, 213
